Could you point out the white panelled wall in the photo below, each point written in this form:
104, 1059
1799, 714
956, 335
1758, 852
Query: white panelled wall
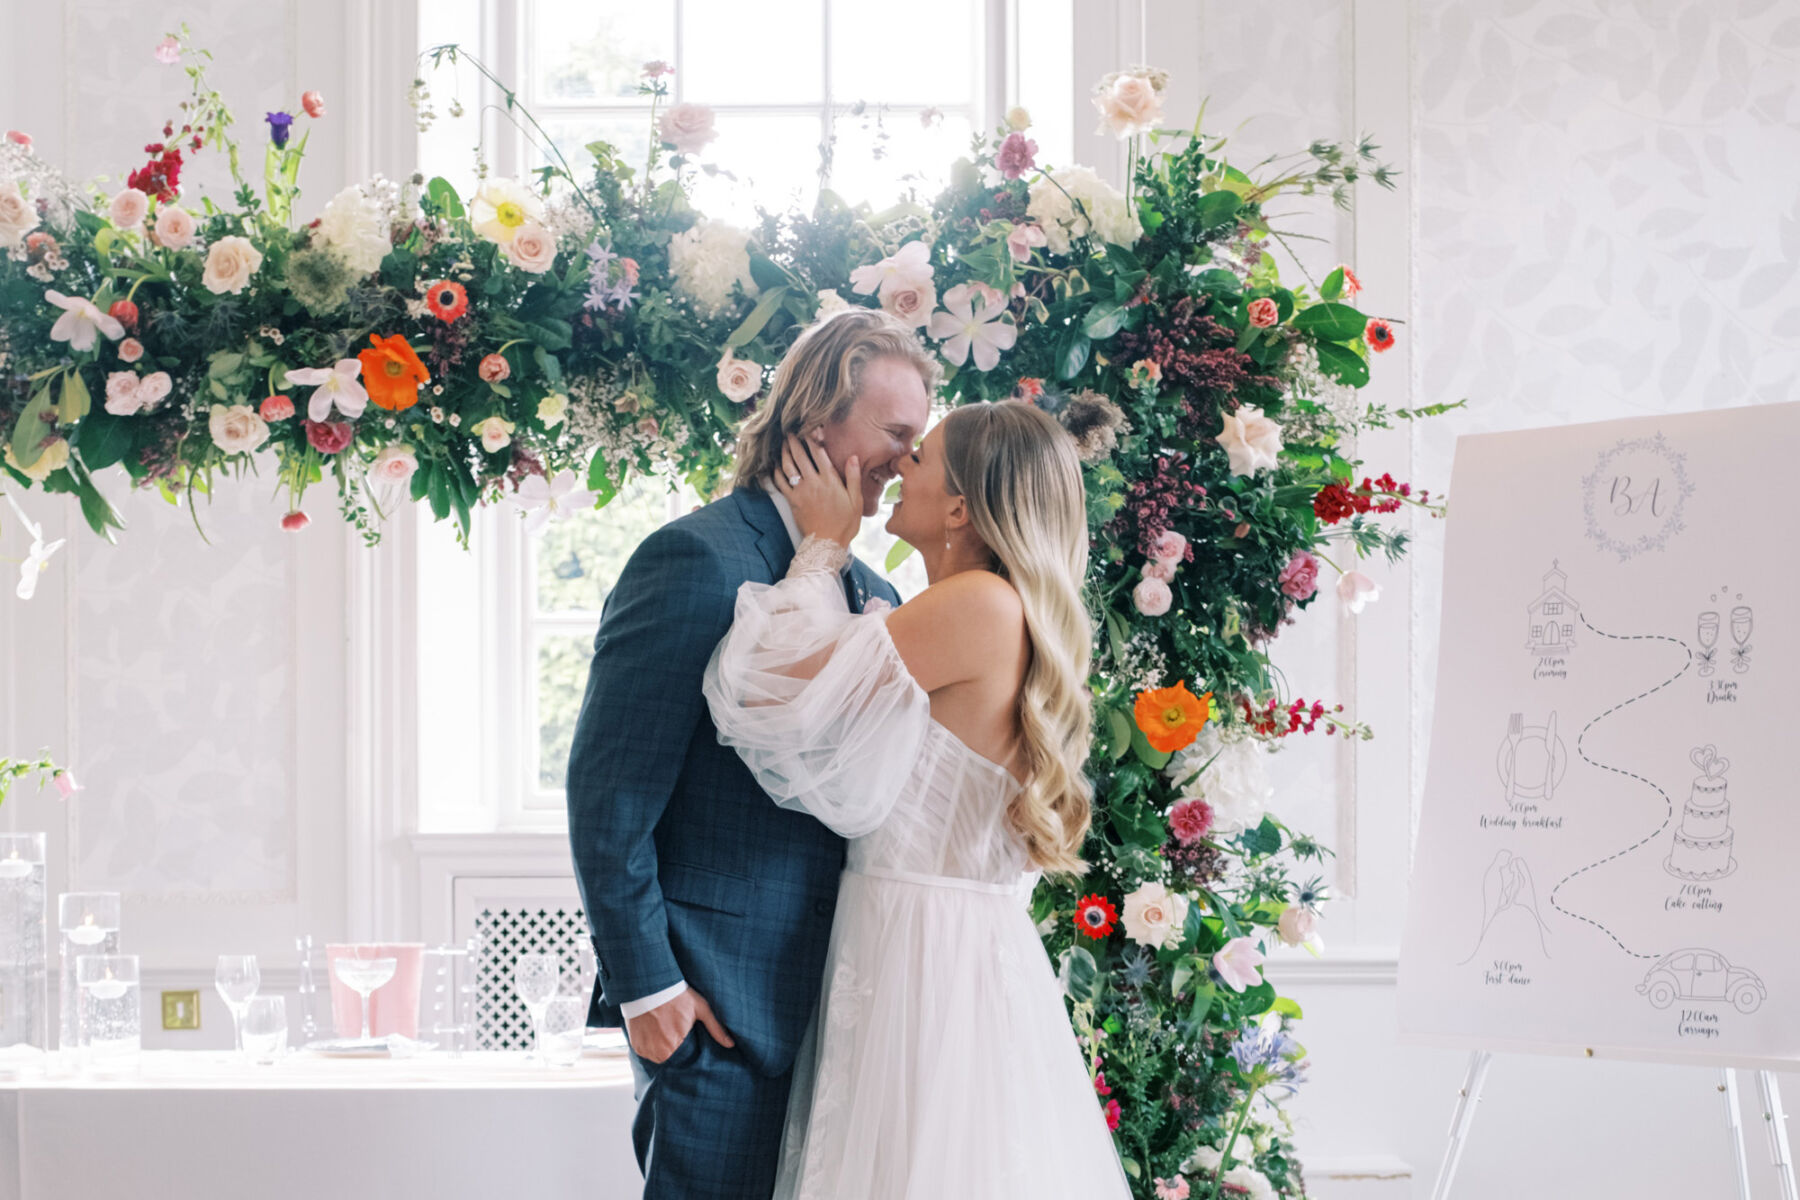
1596, 216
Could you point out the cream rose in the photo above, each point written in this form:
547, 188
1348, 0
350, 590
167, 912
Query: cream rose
552, 409
153, 388
1154, 916
174, 227
533, 248
1128, 104
18, 216
495, 433
129, 208
1018, 118
237, 429
1252, 440
230, 264
687, 127
395, 464
739, 379
911, 302
1297, 926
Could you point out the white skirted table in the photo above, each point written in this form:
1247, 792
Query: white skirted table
194, 1124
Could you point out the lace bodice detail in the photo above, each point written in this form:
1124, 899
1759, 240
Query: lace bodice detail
819, 704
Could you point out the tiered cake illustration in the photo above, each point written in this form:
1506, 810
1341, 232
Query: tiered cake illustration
1702, 846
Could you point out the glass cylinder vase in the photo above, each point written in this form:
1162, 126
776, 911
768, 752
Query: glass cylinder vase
24, 954
88, 923
112, 1030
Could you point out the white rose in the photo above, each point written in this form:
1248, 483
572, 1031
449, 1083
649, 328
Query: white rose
354, 227
174, 227
1235, 785
152, 389
18, 216
687, 127
1018, 118
912, 303
237, 429
1128, 104
129, 208
495, 433
395, 464
1252, 440
738, 379
1153, 916
532, 248
229, 265
552, 409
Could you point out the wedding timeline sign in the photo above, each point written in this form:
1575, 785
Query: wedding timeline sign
1607, 852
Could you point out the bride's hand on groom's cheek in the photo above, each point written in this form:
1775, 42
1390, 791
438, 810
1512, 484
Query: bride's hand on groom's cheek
824, 502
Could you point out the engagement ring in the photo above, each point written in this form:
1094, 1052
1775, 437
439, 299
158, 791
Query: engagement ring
793, 480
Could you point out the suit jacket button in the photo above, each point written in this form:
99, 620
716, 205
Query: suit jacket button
822, 908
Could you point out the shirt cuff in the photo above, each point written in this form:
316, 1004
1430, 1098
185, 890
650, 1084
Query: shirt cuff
642, 1005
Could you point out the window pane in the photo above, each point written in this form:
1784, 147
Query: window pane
737, 53
775, 160
924, 52
578, 561
629, 135
881, 157
596, 49
562, 668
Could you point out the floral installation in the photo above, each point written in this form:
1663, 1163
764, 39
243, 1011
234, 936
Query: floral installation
542, 341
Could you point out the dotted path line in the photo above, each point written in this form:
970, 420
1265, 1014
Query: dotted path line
1580, 747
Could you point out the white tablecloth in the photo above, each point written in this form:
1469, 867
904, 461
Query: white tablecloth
193, 1126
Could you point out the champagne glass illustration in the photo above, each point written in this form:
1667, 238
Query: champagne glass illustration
1740, 633
1709, 633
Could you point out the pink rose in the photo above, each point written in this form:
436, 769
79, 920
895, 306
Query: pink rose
129, 208
1297, 926
1128, 104
1164, 571
313, 103
1300, 578
1264, 312
687, 127
494, 369
276, 408
174, 227
912, 302
122, 394
329, 437
1357, 591
739, 378
1152, 597
1237, 964
154, 387
495, 433
295, 521
1169, 547
1190, 821
395, 464
130, 350
236, 429
1023, 238
1017, 155
532, 248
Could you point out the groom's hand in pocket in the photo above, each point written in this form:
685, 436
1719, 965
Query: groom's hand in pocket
655, 1035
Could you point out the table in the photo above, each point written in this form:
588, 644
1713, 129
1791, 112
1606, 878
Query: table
192, 1125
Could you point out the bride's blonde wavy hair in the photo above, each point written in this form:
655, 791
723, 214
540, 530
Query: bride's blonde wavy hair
1017, 470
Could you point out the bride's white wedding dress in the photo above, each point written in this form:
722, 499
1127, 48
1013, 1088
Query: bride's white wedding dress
941, 1063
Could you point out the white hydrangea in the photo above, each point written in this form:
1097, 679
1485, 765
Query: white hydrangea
1205, 1160
707, 260
1236, 785
1103, 212
354, 226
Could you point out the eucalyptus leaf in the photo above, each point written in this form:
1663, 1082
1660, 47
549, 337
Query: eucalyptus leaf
897, 555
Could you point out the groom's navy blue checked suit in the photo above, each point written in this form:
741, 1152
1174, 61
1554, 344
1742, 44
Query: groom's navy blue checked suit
688, 871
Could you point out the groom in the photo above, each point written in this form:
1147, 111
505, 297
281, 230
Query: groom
710, 907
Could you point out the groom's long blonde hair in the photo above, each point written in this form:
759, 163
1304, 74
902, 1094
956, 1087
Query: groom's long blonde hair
1017, 470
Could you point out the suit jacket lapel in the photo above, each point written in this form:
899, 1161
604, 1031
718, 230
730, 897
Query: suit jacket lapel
772, 540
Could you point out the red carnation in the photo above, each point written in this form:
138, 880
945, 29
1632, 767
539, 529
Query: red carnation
1378, 334
329, 437
1190, 821
1095, 916
1333, 503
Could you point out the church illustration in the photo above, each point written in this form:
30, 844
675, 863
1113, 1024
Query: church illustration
1552, 615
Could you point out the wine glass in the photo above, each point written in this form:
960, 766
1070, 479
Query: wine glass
237, 978
1709, 633
266, 1028
536, 978
363, 976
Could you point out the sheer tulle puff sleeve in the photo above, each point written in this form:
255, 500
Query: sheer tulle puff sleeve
817, 701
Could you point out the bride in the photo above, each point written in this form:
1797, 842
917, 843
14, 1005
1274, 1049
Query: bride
946, 739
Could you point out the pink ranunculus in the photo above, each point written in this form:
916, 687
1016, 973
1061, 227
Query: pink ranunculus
1023, 238
656, 67
1190, 820
1152, 597
276, 408
687, 127
1357, 591
313, 103
1264, 312
329, 437
395, 464
1300, 578
174, 227
912, 303
1296, 926
295, 521
1164, 571
65, 784
1237, 964
129, 208
1017, 155
130, 350
494, 369
1169, 547
168, 51
19, 139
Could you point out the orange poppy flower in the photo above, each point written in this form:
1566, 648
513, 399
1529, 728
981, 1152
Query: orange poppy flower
392, 373
1171, 718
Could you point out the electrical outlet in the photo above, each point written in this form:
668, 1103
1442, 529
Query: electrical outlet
181, 1010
